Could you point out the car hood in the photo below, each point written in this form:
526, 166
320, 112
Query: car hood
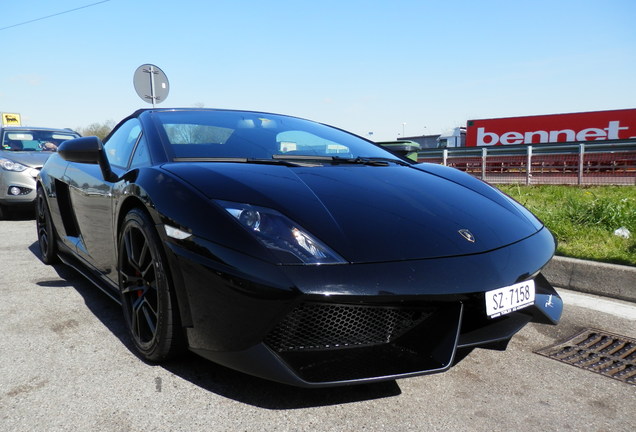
32, 159
372, 213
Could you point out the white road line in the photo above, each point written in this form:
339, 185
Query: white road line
619, 308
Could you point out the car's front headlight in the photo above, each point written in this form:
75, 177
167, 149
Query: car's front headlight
286, 239
9, 165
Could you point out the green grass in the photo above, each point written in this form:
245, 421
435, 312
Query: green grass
584, 219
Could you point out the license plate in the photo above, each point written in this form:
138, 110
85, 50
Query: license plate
508, 299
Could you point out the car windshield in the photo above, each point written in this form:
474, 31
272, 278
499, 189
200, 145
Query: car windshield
233, 134
34, 140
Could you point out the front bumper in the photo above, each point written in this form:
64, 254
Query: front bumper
334, 346
24, 182
318, 326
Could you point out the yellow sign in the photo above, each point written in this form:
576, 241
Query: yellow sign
11, 119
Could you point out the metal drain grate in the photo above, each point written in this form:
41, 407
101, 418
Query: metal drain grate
605, 353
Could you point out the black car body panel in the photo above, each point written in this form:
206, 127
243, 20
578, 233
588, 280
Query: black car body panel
401, 287
392, 202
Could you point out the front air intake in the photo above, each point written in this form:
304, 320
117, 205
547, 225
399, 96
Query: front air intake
333, 342
334, 326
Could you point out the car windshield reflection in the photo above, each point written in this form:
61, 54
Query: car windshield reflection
212, 134
33, 140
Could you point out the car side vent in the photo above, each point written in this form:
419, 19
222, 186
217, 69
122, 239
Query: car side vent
66, 209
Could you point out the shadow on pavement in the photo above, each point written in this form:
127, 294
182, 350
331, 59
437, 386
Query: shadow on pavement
17, 214
270, 395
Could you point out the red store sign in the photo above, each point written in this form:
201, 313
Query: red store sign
555, 128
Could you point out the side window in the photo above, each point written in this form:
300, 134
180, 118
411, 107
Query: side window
121, 144
141, 157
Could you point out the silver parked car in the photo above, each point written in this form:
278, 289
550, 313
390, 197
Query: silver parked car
23, 151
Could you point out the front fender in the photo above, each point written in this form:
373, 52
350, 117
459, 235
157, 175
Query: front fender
171, 201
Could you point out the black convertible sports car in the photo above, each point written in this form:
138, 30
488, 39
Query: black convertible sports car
289, 249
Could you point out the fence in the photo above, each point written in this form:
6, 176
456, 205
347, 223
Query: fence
580, 164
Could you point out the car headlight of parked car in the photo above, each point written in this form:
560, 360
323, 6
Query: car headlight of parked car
287, 240
9, 165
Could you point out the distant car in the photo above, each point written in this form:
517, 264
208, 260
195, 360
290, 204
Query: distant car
23, 151
291, 250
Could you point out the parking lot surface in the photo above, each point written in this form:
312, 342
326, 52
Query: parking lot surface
66, 365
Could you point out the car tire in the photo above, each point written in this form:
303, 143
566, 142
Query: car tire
147, 297
46, 233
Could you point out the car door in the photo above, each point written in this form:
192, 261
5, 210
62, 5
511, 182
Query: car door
92, 199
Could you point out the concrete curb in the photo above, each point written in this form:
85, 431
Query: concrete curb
608, 280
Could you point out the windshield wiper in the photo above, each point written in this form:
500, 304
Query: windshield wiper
299, 160
373, 161
284, 162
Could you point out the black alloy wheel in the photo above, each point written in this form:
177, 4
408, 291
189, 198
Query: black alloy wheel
46, 233
149, 305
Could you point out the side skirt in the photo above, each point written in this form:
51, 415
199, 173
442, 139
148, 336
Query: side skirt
82, 268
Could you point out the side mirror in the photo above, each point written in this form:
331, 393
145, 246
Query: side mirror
89, 150
406, 149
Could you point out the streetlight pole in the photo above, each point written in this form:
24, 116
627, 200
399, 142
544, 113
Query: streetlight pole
403, 126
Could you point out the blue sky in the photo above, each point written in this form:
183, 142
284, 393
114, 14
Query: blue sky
365, 66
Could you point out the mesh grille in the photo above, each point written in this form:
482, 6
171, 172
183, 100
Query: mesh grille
329, 326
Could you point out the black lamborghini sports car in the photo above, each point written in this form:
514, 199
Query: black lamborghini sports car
291, 250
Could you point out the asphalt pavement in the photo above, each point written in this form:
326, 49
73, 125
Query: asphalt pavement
67, 365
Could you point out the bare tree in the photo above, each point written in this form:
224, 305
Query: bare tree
100, 130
